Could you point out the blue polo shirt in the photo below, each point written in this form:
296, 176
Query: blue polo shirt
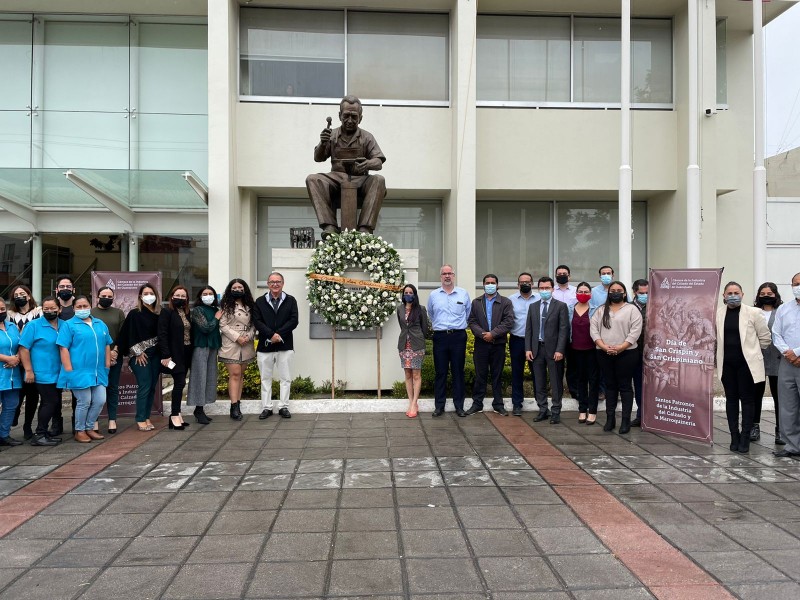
448, 311
87, 351
39, 337
521, 305
599, 296
10, 378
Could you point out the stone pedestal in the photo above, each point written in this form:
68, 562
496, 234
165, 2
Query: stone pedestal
356, 359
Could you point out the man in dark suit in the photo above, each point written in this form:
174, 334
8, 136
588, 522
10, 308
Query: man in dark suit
491, 317
546, 337
275, 317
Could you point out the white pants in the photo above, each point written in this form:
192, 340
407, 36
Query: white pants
277, 364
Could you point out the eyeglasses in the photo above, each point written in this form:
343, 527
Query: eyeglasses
447, 274
274, 282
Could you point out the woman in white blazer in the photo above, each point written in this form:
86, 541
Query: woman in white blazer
741, 334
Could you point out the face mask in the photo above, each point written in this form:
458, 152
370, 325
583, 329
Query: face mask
734, 300
796, 291
583, 297
3, 316
525, 288
616, 297
237, 293
768, 300
178, 302
20, 302
562, 279
605, 279
490, 288
149, 299
207, 300
83, 313
546, 294
50, 315
642, 298
408, 298
65, 294
105, 302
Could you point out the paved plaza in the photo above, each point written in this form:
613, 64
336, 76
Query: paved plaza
376, 505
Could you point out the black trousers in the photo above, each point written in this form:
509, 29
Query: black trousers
541, 365
584, 364
516, 350
449, 355
488, 358
760, 389
638, 382
179, 382
30, 394
618, 373
571, 372
739, 388
49, 405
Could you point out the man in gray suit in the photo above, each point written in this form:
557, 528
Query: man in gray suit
546, 337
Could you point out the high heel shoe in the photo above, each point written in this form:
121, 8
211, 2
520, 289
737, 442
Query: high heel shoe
581, 418
179, 426
111, 429
143, 426
611, 422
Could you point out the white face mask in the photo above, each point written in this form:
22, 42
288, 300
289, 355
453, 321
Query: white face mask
149, 299
796, 291
207, 300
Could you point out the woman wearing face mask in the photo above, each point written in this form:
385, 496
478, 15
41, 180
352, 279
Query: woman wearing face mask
23, 311
10, 376
138, 340
615, 329
113, 318
175, 348
85, 347
584, 356
238, 333
207, 341
768, 299
41, 360
741, 334
414, 326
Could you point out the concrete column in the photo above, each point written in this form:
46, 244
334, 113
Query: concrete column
133, 252
36, 267
625, 269
459, 211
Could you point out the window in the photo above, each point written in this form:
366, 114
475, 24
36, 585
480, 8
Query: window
326, 54
722, 63
406, 224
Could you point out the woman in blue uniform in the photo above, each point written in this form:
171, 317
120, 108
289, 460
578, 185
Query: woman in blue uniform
10, 376
85, 360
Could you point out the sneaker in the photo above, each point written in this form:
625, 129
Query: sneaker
517, 411
500, 411
284, 412
265, 414
474, 409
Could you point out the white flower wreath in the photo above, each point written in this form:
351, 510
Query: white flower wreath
370, 303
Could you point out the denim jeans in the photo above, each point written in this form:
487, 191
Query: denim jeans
147, 379
10, 400
90, 402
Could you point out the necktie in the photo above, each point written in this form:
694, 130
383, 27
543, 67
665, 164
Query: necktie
274, 302
541, 324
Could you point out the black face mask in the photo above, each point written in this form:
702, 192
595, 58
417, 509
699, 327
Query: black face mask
768, 300
50, 315
3, 316
525, 288
20, 302
616, 297
562, 279
178, 302
237, 293
105, 302
65, 294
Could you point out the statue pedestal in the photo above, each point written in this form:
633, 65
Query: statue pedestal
356, 360
349, 205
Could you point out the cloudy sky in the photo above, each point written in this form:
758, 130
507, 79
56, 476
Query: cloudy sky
782, 40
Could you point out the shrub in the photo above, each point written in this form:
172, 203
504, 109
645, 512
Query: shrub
399, 389
251, 383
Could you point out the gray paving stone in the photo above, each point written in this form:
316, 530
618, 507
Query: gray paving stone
767, 591
723, 512
212, 483
249, 500
311, 481
589, 461
427, 463
593, 570
692, 492
531, 495
417, 479
196, 501
178, 524
149, 485
783, 560
504, 542
569, 540
468, 478
174, 469
46, 584
433, 543
460, 463
616, 476
697, 538
668, 475
367, 480
84, 553
254, 483
744, 492
84, 504
761, 475
737, 567
112, 525
49, 527
23, 553
273, 467
27, 472
491, 517
156, 551
365, 544
366, 577
8, 575
297, 546
227, 549
613, 594
641, 461
437, 575
477, 496
367, 498
550, 516
365, 465
127, 470
271, 580
335, 465
518, 573
193, 582
506, 462
367, 519
760, 536
148, 582
311, 499
514, 478
666, 512
104, 485
305, 520
242, 522
438, 517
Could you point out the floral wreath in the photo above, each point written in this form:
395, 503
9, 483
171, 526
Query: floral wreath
354, 304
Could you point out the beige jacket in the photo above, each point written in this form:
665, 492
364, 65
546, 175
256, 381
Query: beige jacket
233, 326
754, 334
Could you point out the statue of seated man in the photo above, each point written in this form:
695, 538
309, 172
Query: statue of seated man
324, 189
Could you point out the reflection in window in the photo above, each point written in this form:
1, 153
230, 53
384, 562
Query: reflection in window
597, 60
181, 260
15, 266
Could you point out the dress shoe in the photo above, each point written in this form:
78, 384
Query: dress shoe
82, 437
590, 421
284, 412
438, 412
785, 454
778, 439
27, 432
57, 440
172, 425
637, 422
755, 433
236, 412
56, 426
95, 435
500, 410
555, 419
474, 409
625, 425
611, 422
582, 418
460, 412
265, 414
517, 411
542, 416
735, 436
43, 440
112, 429
9, 441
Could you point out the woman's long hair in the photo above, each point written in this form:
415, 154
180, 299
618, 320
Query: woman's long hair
413, 315
758, 303
198, 301
32, 303
607, 305
156, 306
185, 308
228, 303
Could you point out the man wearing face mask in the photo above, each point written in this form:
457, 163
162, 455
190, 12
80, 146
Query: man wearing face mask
65, 292
786, 337
567, 294
490, 319
546, 337
640, 293
600, 292
521, 302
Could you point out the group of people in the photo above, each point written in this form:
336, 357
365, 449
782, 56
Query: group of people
66, 344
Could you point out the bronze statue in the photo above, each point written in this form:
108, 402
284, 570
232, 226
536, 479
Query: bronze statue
353, 152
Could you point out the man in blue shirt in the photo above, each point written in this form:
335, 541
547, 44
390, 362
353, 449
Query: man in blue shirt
786, 337
520, 302
600, 292
448, 309
490, 319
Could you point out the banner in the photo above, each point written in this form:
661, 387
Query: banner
126, 294
679, 352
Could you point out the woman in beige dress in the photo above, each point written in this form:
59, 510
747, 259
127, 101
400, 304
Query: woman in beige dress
238, 333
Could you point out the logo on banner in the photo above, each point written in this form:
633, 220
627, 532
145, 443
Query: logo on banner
665, 284
110, 283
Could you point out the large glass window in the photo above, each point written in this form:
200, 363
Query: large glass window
722, 62
597, 60
406, 224
181, 259
15, 263
306, 53
651, 61
16, 52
